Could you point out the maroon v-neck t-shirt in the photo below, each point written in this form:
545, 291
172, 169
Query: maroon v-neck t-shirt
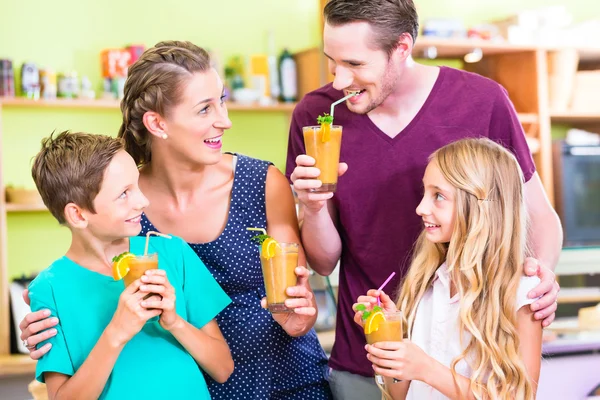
377, 197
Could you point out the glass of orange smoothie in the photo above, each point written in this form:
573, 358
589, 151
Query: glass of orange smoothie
279, 262
384, 326
323, 143
138, 265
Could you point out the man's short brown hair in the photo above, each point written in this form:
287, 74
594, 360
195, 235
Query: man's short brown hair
389, 19
70, 168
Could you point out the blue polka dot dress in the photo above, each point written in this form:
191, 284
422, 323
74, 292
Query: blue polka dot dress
269, 364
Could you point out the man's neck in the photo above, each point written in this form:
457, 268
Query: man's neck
408, 97
95, 254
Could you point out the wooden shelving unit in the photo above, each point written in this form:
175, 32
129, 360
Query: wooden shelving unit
22, 364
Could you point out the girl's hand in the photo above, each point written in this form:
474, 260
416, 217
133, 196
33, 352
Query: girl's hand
401, 360
130, 316
154, 281
297, 322
370, 301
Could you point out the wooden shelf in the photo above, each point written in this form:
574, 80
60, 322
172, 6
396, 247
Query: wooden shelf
526, 118
579, 295
16, 364
574, 117
114, 104
457, 48
25, 207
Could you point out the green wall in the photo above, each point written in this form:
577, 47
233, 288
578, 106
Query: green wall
69, 35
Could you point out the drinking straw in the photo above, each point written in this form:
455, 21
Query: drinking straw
384, 283
340, 100
264, 232
148, 239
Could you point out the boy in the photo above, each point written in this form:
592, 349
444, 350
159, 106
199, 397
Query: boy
105, 346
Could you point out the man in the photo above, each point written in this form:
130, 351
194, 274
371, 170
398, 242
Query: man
404, 112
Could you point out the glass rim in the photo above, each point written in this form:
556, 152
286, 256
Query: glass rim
286, 244
397, 312
313, 127
149, 256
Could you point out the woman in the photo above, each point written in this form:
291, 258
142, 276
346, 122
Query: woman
174, 118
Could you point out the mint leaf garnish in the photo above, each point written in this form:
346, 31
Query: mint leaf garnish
366, 314
259, 239
325, 119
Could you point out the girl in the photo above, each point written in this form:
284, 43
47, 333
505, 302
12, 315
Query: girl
470, 333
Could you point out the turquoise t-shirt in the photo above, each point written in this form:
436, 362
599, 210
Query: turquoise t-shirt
153, 365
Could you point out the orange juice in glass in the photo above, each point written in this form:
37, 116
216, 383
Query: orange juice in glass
384, 327
138, 265
323, 143
279, 262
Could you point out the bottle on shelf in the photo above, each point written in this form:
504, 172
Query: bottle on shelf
288, 77
275, 89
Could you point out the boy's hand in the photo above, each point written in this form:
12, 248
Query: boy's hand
130, 316
155, 282
370, 301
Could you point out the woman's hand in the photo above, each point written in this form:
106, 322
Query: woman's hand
155, 282
401, 360
37, 327
130, 316
298, 322
369, 301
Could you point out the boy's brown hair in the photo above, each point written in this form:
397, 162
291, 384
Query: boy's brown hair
70, 169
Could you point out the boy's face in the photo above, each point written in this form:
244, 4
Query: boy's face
358, 66
119, 202
438, 207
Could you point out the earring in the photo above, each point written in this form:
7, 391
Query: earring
164, 136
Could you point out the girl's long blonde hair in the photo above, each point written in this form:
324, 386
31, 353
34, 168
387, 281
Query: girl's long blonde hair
484, 259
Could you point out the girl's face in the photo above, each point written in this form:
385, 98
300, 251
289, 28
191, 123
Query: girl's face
195, 126
437, 208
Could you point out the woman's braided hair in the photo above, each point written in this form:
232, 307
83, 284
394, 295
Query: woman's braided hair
155, 83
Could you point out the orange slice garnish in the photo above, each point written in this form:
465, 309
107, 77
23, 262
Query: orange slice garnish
325, 133
120, 268
373, 321
269, 247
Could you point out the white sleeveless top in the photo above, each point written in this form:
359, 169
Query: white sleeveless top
436, 328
